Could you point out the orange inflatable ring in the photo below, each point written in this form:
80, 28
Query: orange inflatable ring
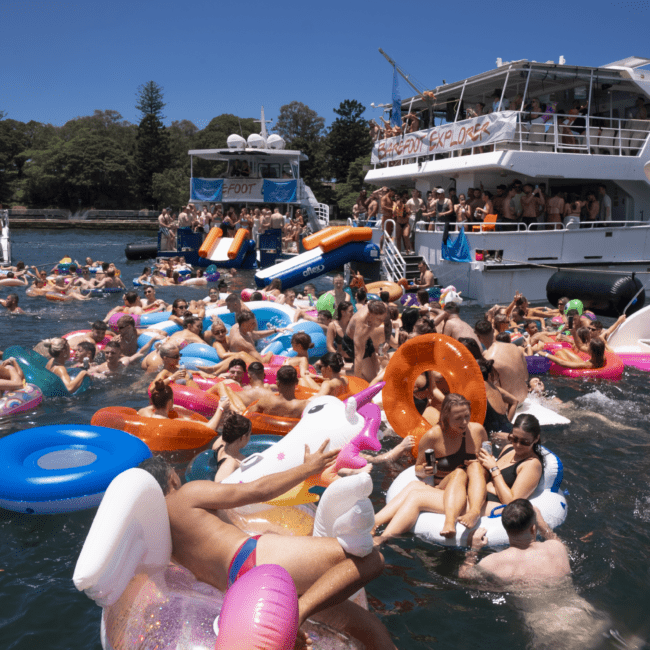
264, 423
395, 291
355, 385
429, 352
160, 434
58, 297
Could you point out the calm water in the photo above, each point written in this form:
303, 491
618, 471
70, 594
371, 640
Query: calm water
605, 452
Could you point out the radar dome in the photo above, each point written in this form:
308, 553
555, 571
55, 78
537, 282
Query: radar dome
275, 141
256, 141
236, 142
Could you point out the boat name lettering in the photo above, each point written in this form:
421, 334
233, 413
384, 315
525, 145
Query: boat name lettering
239, 188
485, 129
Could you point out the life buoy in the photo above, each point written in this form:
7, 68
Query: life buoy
16, 401
613, 368
395, 290
430, 352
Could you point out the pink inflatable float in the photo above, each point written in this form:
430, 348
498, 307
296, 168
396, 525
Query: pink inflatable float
613, 368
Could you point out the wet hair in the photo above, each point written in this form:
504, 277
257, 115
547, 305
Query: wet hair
518, 516
597, 325
99, 325
303, 340
10, 274
423, 326
256, 369
146, 270
20, 266
256, 295
275, 284
483, 328
235, 426
472, 346
410, 316
160, 469
55, 346
125, 321
451, 400
191, 319
161, 393
222, 284
583, 334
597, 350
89, 347
503, 337
72, 269
423, 296
362, 295
237, 362
130, 297
13, 297
342, 308
393, 312
105, 266
485, 365
233, 297
452, 308
165, 349
333, 360
325, 313
244, 317
532, 322
113, 344
377, 307
287, 376
384, 296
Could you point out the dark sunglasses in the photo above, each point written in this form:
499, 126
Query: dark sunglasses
173, 356
520, 441
180, 307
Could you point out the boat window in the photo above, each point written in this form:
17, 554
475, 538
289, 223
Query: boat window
269, 170
238, 168
286, 171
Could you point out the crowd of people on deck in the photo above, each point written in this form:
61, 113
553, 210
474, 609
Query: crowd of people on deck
362, 336
201, 218
507, 208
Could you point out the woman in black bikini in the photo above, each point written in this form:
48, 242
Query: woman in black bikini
235, 435
517, 471
336, 329
460, 486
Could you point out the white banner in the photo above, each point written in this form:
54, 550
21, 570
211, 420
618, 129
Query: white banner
477, 131
240, 190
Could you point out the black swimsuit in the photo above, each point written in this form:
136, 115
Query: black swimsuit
348, 347
219, 463
495, 421
455, 460
421, 403
509, 475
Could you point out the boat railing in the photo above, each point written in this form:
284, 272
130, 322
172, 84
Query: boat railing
393, 265
556, 133
473, 228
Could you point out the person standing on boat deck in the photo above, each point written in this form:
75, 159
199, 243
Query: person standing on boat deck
555, 208
605, 209
516, 199
373, 209
498, 200
592, 207
414, 205
411, 123
444, 209
462, 210
387, 202
185, 218
475, 201
530, 204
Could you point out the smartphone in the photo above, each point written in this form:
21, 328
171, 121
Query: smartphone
570, 322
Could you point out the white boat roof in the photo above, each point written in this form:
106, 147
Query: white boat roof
545, 78
229, 154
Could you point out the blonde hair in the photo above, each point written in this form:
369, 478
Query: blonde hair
56, 346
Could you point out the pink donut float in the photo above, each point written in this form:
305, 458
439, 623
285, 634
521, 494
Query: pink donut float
74, 338
247, 293
112, 321
613, 368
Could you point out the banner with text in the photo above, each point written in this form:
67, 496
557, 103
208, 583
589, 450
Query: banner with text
243, 190
478, 131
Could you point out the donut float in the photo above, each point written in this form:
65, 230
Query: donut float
17, 401
430, 352
613, 368
160, 434
63, 468
548, 497
395, 291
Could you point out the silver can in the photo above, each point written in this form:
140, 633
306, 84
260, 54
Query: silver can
487, 445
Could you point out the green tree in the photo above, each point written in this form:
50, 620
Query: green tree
303, 130
346, 194
348, 138
152, 155
150, 100
13, 142
171, 187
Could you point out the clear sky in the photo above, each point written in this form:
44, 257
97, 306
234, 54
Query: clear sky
61, 59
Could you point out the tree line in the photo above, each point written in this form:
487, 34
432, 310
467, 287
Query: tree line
105, 162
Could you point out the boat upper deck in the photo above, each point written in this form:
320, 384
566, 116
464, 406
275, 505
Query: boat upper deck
592, 123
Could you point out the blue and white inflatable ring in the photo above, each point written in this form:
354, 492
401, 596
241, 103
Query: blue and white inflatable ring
63, 468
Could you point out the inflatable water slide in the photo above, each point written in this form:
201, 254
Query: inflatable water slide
326, 250
237, 251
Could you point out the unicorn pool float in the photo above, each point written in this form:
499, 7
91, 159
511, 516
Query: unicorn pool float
149, 601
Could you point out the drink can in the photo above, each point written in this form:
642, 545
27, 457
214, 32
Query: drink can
430, 456
487, 445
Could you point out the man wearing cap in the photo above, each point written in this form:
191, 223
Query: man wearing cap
444, 209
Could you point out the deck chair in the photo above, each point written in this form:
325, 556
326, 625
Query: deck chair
488, 224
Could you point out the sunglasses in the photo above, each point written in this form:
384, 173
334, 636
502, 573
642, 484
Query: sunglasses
180, 307
173, 356
520, 441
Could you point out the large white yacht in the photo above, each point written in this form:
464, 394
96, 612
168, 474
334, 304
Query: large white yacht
606, 142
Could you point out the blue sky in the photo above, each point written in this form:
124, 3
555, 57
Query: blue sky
60, 59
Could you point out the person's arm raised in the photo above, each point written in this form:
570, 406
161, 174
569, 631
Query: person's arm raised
212, 496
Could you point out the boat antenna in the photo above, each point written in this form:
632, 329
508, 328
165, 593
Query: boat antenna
262, 121
419, 88
240, 129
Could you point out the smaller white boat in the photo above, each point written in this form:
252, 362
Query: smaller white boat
631, 341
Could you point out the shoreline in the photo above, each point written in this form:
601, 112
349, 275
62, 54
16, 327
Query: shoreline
81, 224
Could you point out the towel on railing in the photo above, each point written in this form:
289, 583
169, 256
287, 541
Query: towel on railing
455, 250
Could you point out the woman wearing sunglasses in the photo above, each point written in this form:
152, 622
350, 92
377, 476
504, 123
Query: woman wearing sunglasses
517, 471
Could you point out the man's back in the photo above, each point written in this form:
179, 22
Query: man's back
541, 563
510, 363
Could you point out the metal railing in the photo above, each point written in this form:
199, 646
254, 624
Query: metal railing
546, 226
554, 133
393, 265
